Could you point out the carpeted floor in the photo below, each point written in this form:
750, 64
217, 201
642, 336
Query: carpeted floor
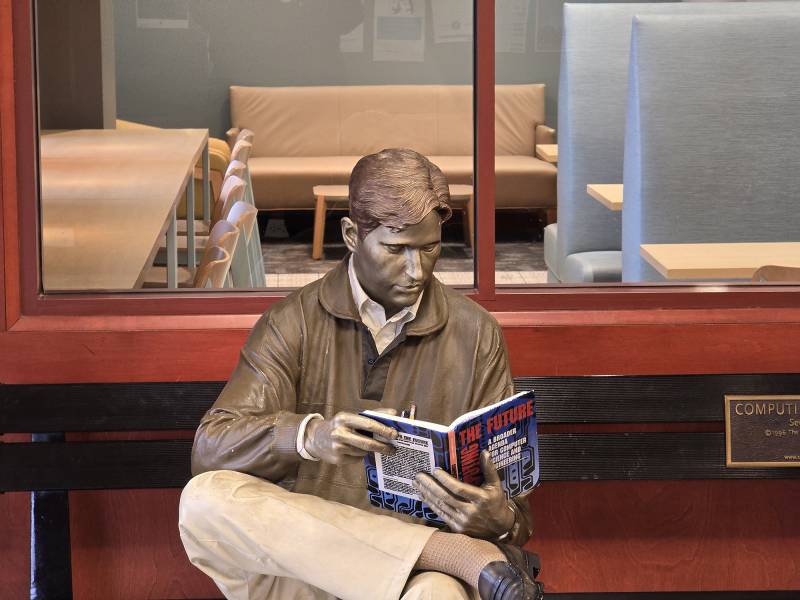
286, 247
289, 264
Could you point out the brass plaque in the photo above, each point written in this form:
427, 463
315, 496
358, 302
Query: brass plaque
762, 431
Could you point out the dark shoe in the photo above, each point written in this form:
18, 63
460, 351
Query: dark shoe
511, 579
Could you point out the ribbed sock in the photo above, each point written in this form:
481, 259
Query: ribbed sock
458, 555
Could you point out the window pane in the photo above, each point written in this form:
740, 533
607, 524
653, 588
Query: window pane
606, 179
128, 89
527, 45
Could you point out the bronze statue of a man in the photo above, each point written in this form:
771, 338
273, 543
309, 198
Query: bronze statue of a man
278, 506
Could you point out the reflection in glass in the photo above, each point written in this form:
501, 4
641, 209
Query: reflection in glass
527, 41
265, 103
651, 188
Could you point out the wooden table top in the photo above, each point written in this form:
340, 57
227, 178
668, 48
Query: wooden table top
458, 191
548, 152
719, 261
607, 194
106, 196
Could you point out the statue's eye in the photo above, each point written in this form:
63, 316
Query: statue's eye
393, 249
430, 247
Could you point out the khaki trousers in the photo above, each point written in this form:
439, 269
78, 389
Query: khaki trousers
259, 541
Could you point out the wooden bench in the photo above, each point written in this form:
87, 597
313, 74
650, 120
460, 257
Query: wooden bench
54, 461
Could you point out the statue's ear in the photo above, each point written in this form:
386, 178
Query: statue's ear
350, 234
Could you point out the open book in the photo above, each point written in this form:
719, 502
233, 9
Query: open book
507, 429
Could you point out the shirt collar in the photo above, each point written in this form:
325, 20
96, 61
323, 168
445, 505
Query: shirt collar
336, 298
372, 314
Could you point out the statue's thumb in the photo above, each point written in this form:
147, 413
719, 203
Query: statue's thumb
490, 475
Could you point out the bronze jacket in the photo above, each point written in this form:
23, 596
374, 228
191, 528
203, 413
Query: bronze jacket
304, 356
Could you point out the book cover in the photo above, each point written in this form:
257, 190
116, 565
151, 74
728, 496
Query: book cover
507, 429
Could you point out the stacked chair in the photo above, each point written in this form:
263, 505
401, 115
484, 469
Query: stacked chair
232, 209
242, 146
244, 273
214, 264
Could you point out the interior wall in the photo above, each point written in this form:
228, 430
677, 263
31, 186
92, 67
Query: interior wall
177, 73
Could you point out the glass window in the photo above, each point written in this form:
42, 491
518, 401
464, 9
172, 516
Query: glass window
615, 152
145, 105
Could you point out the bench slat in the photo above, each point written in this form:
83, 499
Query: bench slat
647, 399
105, 407
590, 399
564, 457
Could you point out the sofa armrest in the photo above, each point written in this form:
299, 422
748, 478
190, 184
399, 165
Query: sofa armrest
230, 136
544, 135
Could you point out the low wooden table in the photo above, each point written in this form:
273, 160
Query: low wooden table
336, 196
719, 261
607, 194
548, 152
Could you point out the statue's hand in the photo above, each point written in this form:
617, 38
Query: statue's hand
481, 512
338, 441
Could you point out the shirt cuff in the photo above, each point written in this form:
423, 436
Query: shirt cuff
301, 436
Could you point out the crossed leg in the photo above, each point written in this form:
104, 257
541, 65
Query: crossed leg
257, 540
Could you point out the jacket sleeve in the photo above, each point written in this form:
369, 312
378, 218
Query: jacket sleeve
252, 427
493, 382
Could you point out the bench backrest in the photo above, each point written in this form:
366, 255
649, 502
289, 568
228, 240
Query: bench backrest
435, 120
621, 454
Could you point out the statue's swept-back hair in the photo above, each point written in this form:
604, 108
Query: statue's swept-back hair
396, 187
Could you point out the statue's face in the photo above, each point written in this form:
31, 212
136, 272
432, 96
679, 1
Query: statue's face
394, 265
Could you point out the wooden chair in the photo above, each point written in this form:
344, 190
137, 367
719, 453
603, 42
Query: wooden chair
236, 167
213, 270
202, 228
233, 190
241, 152
776, 273
243, 272
213, 264
234, 134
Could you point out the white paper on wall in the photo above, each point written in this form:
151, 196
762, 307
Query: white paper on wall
511, 26
399, 31
452, 21
162, 14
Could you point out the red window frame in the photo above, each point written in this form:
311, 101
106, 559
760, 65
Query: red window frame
130, 318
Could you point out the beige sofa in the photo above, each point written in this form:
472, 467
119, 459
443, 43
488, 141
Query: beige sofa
306, 136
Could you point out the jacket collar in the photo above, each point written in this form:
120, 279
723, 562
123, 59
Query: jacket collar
336, 297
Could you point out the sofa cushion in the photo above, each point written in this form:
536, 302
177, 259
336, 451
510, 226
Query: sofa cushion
362, 119
305, 136
521, 181
524, 182
287, 182
551, 248
602, 266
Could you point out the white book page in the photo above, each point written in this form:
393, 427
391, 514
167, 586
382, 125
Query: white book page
396, 472
415, 422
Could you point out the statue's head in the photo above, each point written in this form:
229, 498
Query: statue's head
398, 202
